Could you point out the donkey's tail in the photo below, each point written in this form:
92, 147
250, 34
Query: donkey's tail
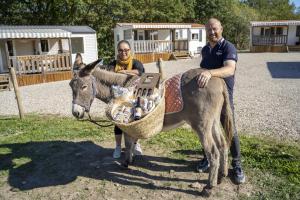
227, 123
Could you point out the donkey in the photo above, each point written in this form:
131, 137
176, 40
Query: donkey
202, 110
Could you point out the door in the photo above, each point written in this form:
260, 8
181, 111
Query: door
3, 59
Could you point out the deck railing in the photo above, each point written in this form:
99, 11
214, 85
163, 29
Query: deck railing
269, 40
40, 63
181, 45
149, 46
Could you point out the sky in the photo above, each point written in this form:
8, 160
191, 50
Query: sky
296, 2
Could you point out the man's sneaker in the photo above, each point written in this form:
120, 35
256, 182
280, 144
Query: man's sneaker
238, 175
137, 150
117, 152
203, 165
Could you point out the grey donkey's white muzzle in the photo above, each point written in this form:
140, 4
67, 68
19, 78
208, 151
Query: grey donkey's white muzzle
78, 111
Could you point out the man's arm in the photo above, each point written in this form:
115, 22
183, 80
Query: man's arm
227, 70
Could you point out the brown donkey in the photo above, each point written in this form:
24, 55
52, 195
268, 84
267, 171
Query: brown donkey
202, 110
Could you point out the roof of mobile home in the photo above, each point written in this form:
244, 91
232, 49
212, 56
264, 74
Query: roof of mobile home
159, 25
42, 31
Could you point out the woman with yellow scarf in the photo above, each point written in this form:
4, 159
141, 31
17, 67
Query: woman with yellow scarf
125, 64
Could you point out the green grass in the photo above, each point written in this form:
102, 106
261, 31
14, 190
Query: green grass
272, 166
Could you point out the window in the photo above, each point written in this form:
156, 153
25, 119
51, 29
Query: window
279, 31
272, 30
44, 45
267, 31
77, 45
151, 35
10, 48
140, 34
127, 34
195, 36
118, 37
298, 31
176, 35
135, 34
262, 31
147, 34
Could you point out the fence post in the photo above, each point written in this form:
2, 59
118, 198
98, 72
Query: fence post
16, 88
160, 68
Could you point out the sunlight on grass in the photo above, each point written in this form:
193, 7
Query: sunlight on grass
18, 162
5, 150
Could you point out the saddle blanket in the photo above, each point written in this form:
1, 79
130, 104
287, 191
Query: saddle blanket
173, 96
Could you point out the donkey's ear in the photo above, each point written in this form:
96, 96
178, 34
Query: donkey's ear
78, 59
88, 69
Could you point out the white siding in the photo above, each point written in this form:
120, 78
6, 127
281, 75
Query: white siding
182, 34
3, 62
53, 46
292, 39
90, 48
164, 35
65, 44
24, 47
196, 45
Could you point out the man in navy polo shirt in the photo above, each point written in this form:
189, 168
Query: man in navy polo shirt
219, 58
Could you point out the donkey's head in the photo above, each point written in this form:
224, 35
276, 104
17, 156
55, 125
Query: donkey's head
83, 86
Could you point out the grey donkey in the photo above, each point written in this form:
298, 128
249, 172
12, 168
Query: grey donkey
202, 110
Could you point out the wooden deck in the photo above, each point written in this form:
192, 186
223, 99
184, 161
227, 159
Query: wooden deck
36, 69
268, 48
152, 57
31, 79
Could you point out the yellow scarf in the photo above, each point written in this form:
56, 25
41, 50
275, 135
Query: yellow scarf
124, 64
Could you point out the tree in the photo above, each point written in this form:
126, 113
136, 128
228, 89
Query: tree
273, 9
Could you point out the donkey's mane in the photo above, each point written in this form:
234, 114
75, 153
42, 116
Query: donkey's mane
110, 77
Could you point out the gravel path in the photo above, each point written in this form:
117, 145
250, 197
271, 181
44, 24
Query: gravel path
267, 94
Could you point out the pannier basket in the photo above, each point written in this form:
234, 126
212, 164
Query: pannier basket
144, 128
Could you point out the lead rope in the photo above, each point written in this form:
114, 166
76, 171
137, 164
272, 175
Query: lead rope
102, 121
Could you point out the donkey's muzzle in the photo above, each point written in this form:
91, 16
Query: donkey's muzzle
78, 111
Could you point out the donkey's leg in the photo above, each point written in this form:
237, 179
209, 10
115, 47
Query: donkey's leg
129, 145
223, 150
205, 134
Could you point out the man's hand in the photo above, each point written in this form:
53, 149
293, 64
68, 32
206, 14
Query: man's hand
203, 78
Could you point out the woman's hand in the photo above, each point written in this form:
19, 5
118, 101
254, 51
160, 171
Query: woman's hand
129, 72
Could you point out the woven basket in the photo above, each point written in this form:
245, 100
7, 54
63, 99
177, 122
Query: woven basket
146, 127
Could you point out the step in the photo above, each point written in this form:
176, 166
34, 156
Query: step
4, 82
294, 48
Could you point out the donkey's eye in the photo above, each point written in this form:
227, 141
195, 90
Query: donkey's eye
84, 87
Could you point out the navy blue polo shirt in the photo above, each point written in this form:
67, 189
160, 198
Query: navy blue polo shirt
213, 58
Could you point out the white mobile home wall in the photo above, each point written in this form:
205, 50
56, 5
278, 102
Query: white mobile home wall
90, 47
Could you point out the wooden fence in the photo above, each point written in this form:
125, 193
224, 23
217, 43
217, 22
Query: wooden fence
149, 46
269, 40
40, 63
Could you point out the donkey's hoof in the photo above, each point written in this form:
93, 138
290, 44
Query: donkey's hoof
207, 191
